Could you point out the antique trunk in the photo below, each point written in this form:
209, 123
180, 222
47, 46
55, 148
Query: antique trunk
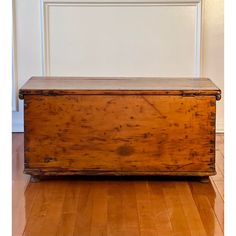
119, 126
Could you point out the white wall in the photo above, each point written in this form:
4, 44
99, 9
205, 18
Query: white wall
99, 38
213, 50
27, 51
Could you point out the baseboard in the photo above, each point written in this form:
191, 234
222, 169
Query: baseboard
219, 127
17, 127
17, 122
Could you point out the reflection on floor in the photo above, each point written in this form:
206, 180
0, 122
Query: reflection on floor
115, 206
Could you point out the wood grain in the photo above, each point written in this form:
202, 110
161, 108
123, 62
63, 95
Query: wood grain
19, 184
113, 85
115, 206
120, 135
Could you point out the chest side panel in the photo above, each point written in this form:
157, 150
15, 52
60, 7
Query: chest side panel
120, 133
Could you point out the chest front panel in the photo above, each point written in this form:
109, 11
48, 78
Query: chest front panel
120, 134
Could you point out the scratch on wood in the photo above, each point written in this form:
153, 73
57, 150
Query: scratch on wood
181, 166
154, 107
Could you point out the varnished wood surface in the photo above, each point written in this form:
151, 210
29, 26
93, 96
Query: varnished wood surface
113, 85
108, 206
120, 135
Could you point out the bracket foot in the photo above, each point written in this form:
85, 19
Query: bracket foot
204, 179
35, 179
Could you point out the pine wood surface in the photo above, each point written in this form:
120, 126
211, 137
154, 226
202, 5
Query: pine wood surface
120, 135
117, 206
113, 85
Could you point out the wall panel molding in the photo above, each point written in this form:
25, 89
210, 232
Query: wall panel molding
121, 1
47, 5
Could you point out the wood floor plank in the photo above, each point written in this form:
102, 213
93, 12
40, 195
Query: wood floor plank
19, 184
67, 221
217, 205
191, 212
162, 213
100, 206
129, 205
212, 225
124, 232
220, 187
122, 209
115, 214
44, 216
54, 209
206, 198
22, 204
146, 213
84, 209
219, 175
38, 210
148, 232
178, 218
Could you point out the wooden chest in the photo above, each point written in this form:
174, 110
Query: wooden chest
119, 126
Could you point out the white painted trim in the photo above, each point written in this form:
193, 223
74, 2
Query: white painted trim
45, 31
197, 56
45, 37
15, 101
42, 29
17, 128
17, 125
219, 127
202, 38
123, 1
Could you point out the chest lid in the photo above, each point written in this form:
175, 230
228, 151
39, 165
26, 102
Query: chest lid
119, 85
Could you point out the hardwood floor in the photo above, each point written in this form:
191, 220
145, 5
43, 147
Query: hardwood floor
117, 206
